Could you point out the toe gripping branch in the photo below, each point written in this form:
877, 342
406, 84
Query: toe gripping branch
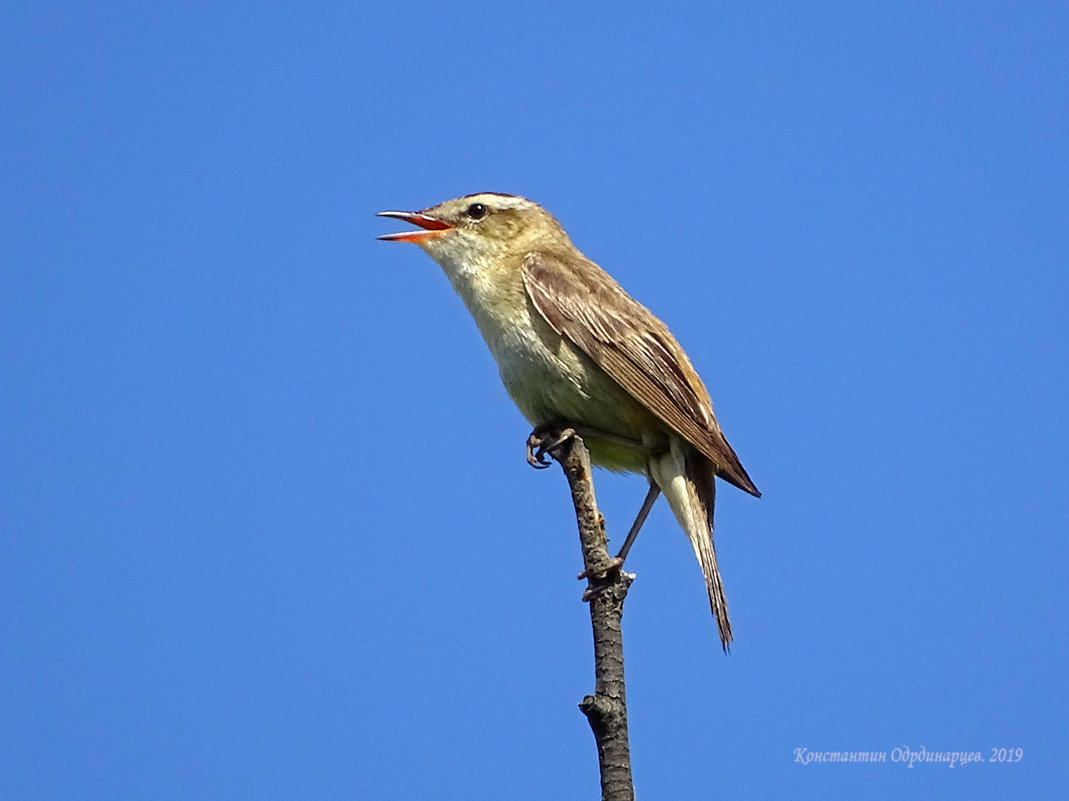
544, 440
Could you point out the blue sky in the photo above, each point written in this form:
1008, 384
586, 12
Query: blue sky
267, 529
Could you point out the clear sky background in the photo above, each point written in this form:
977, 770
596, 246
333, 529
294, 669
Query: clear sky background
267, 528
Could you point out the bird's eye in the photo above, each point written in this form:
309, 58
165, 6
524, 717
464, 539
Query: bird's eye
476, 211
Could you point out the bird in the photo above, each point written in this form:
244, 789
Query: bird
574, 349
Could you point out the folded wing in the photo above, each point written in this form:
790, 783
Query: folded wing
636, 349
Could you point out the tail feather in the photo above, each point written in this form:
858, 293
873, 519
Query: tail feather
687, 479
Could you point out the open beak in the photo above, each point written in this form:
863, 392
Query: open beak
432, 225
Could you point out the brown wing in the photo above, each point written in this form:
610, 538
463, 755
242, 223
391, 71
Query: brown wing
636, 349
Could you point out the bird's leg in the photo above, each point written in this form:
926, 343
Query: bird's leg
643, 513
538, 447
596, 433
541, 442
545, 438
617, 561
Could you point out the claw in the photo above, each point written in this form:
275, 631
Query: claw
536, 460
538, 447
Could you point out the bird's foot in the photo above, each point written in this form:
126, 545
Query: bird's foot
603, 570
606, 576
544, 440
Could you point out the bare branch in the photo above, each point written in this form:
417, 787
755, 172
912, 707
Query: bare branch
607, 585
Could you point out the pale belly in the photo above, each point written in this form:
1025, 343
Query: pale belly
552, 381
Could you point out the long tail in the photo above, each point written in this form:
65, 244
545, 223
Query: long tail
687, 478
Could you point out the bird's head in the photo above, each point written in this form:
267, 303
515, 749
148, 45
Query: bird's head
479, 229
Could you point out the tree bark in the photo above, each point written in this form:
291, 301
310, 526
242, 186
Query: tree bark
607, 585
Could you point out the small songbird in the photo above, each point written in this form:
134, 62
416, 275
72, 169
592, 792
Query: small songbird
574, 349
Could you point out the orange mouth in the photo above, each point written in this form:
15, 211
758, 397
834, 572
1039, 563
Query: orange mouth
432, 225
